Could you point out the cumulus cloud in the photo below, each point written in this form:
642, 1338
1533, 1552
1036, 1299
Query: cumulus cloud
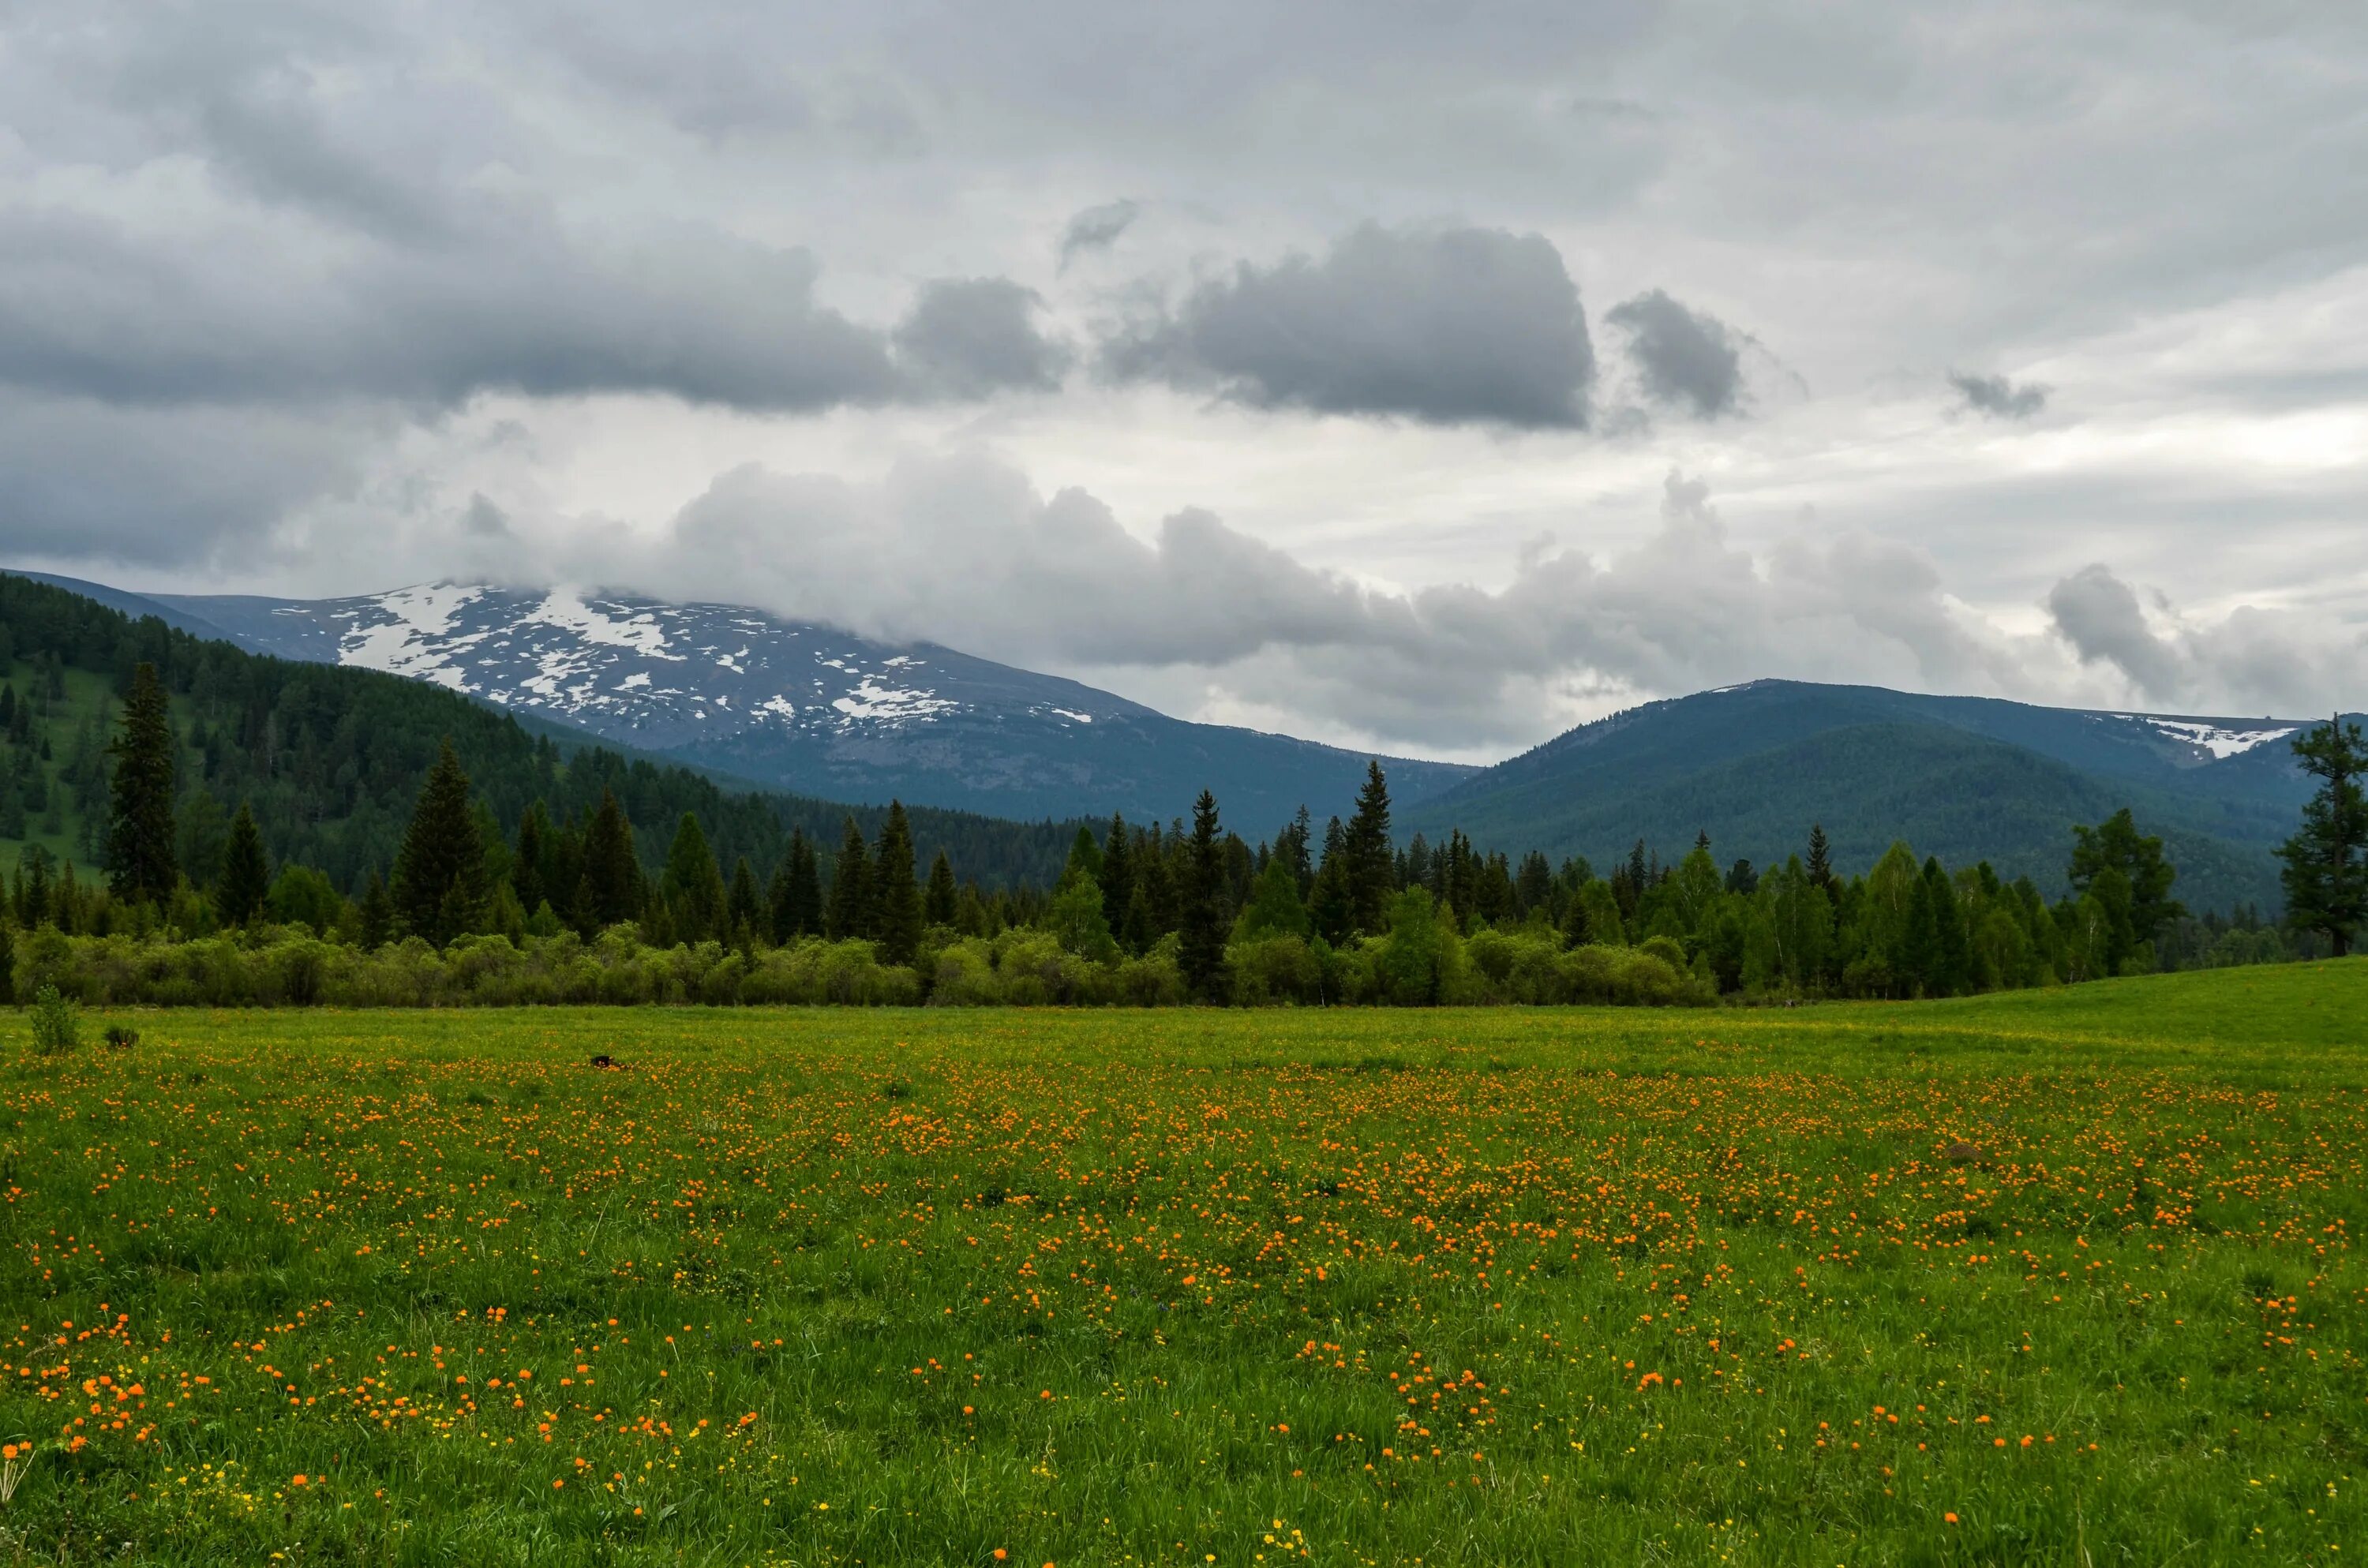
1996, 397
1097, 228
1449, 326
974, 336
1682, 357
2253, 661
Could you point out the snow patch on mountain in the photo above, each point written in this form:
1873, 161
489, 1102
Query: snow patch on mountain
2222, 743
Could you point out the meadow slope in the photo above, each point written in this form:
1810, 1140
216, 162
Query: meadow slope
2041, 1276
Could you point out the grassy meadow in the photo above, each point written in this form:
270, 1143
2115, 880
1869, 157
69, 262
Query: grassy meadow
2060, 1277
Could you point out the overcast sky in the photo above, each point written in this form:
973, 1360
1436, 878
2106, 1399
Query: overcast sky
1412, 375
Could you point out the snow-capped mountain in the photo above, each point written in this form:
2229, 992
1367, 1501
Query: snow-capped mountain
801, 707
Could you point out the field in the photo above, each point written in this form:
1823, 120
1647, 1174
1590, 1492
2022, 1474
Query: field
2038, 1277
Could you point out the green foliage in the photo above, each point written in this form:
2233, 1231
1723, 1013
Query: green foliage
2326, 869
246, 880
57, 1024
142, 863
441, 886
896, 896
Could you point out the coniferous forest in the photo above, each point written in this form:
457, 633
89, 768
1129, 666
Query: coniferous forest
204, 825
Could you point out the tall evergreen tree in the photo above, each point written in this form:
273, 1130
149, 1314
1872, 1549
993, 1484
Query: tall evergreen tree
1820, 868
896, 896
1330, 908
1118, 876
246, 870
377, 911
796, 892
1372, 869
610, 889
440, 888
942, 904
1201, 954
2116, 843
526, 860
850, 915
2325, 870
142, 863
744, 907
693, 885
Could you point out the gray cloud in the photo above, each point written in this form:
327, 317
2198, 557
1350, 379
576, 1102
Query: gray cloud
1097, 228
974, 336
1682, 357
1998, 398
2099, 616
1447, 327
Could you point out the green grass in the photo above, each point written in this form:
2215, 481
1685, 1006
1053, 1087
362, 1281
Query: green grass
1522, 1287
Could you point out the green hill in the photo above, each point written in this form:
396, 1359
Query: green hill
332, 759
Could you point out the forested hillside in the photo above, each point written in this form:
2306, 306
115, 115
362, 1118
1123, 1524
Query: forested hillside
331, 760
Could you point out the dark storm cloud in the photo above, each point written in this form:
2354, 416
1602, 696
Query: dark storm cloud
1683, 357
972, 337
1097, 228
508, 304
1451, 327
1998, 398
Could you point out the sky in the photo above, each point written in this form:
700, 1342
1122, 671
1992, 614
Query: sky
1412, 376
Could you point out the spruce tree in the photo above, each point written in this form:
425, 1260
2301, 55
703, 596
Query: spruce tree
744, 905
1118, 876
896, 895
141, 859
2325, 870
377, 913
1820, 867
1200, 952
2116, 843
610, 889
692, 885
440, 888
1330, 909
849, 915
526, 860
246, 871
796, 894
942, 903
1371, 869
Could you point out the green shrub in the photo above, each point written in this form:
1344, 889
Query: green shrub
57, 1024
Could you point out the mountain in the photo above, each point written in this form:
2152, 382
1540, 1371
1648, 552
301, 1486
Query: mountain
795, 706
1965, 778
331, 759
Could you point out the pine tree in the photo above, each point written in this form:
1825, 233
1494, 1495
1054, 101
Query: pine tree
610, 891
440, 886
1371, 869
796, 892
941, 905
849, 917
692, 885
246, 871
141, 859
1201, 955
2325, 871
2116, 843
896, 895
526, 860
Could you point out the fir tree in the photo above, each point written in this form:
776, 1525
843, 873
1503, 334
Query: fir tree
896, 897
1201, 955
609, 891
246, 871
526, 860
941, 905
1372, 871
141, 859
692, 885
1330, 909
2116, 843
2325, 870
849, 915
440, 888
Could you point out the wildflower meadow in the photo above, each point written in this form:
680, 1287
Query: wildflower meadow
2047, 1277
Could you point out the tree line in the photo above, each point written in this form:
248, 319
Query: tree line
1185, 912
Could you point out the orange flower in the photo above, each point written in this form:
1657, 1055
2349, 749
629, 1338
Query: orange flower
296, 1480
1950, 1518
